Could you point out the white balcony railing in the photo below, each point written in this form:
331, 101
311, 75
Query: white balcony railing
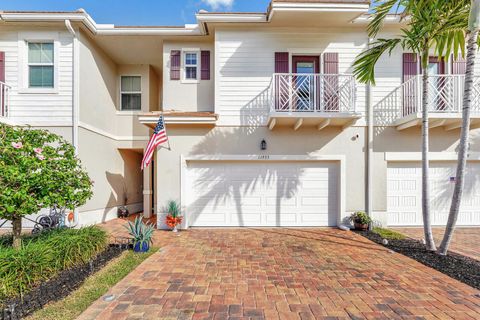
295, 93
445, 95
4, 95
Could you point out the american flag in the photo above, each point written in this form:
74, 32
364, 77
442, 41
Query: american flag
159, 136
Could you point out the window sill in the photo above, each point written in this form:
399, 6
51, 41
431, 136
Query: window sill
190, 81
38, 91
128, 112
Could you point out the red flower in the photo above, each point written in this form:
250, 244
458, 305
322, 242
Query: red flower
172, 221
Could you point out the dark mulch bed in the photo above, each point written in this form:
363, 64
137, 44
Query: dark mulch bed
464, 269
57, 288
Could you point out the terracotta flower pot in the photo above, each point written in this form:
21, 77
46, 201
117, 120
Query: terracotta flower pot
361, 226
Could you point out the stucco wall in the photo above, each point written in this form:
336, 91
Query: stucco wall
116, 175
246, 141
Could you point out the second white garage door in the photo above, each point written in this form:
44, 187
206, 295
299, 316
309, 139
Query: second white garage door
237, 194
405, 193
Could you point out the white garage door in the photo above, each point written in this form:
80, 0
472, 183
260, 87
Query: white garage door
405, 194
262, 194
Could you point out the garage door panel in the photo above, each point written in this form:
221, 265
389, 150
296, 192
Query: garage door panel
405, 193
208, 203
245, 201
285, 219
206, 218
246, 219
272, 202
263, 194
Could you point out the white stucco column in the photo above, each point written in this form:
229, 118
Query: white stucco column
147, 192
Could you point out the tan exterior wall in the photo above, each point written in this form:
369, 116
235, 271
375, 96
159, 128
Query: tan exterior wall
104, 130
183, 96
116, 175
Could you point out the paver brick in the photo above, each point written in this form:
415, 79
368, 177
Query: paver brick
291, 274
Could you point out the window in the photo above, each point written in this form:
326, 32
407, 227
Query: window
40, 65
191, 65
131, 93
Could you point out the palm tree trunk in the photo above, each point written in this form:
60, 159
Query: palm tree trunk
463, 150
17, 232
427, 226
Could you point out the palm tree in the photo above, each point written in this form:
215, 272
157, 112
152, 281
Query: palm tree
472, 47
432, 25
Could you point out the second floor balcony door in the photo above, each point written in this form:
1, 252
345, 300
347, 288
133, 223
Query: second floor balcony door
439, 86
304, 81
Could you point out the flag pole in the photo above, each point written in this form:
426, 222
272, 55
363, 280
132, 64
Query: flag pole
165, 126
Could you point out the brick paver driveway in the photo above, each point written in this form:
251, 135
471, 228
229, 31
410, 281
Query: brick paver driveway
466, 241
283, 274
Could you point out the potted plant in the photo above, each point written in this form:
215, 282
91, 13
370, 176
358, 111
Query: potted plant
141, 234
122, 211
360, 220
174, 217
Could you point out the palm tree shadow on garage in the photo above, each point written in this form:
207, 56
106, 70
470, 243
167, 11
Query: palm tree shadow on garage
216, 188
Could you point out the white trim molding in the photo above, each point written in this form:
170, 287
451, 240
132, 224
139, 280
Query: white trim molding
341, 159
110, 135
23, 63
434, 156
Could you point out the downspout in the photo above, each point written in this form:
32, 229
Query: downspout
370, 135
75, 96
75, 108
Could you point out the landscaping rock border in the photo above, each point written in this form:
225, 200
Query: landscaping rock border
464, 269
57, 288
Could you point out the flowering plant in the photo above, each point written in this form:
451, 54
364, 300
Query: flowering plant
38, 169
174, 217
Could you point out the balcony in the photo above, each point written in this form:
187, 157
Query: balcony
444, 102
318, 100
4, 95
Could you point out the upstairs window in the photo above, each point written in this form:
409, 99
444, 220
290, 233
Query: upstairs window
131, 93
191, 66
40, 65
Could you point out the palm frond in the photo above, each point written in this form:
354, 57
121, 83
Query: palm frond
364, 65
380, 11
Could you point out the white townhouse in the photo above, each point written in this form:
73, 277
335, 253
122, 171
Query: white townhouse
267, 125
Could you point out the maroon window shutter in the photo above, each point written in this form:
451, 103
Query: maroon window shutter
2, 66
330, 63
410, 70
330, 85
459, 65
281, 66
281, 62
410, 66
175, 65
205, 75
2, 79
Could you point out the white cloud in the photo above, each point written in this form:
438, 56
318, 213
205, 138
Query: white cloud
217, 4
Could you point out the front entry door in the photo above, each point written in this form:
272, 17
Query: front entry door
304, 82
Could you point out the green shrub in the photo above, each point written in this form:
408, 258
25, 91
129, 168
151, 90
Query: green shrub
360, 217
388, 234
42, 257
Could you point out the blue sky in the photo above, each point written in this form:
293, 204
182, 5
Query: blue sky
139, 12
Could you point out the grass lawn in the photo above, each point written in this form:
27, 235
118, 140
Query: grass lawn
93, 288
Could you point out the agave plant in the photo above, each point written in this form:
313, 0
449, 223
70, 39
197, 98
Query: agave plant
141, 234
